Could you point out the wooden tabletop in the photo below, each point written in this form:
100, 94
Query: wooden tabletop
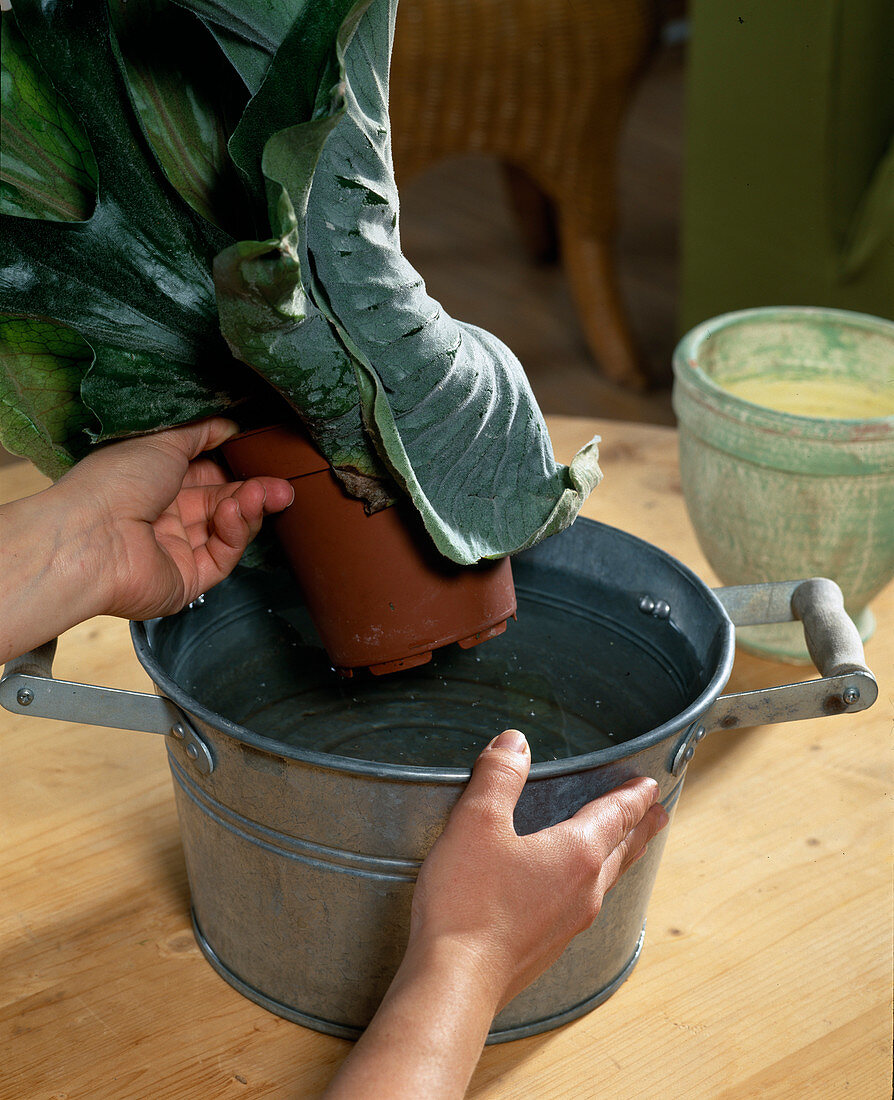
766, 969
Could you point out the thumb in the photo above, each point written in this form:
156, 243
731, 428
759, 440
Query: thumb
192, 439
500, 773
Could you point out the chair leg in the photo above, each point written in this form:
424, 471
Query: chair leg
535, 213
589, 264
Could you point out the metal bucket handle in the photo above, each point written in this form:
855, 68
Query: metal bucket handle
28, 686
846, 684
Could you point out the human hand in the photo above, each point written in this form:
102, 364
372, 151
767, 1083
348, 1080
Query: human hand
164, 523
491, 911
508, 905
138, 528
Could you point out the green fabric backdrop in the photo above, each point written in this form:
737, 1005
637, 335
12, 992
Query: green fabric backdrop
789, 164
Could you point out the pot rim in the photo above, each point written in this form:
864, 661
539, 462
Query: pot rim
687, 370
546, 769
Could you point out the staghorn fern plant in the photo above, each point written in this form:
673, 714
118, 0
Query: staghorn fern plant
198, 204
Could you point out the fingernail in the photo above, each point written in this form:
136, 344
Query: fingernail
663, 815
510, 739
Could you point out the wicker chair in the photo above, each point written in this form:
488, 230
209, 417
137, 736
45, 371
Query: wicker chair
543, 86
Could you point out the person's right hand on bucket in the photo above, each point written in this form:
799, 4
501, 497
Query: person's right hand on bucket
491, 911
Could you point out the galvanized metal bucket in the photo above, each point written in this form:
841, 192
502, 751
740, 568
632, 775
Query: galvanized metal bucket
307, 808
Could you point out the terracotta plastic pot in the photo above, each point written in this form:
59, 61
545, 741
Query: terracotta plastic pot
380, 594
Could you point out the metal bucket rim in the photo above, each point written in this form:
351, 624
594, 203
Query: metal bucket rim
545, 769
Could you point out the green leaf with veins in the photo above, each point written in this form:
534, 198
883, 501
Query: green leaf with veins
249, 32
46, 167
188, 99
266, 315
134, 279
326, 308
41, 414
448, 404
303, 88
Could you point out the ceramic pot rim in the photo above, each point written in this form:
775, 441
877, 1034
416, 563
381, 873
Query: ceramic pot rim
701, 387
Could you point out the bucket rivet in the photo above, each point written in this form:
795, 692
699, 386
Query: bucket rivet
699, 734
24, 697
688, 754
646, 605
662, 610
850, 695
192, 752
177, 731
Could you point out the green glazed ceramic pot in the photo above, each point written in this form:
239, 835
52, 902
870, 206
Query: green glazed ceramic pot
803, 489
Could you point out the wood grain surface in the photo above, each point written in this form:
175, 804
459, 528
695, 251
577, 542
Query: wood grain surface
766, 969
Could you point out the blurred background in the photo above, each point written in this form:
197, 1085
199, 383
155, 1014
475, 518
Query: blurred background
588, 179
562, 112
689, 157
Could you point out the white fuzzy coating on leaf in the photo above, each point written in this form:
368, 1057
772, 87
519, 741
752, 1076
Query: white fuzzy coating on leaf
448, 404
